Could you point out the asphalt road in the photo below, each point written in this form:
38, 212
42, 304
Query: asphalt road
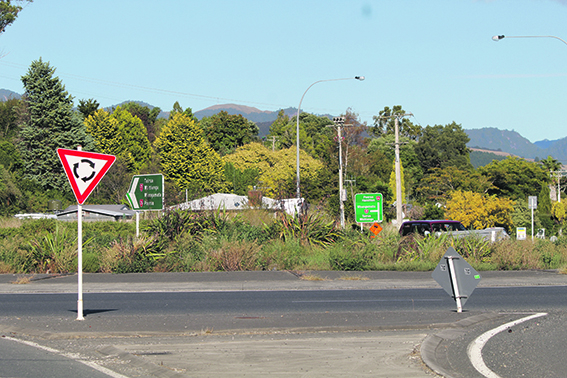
382, 305
29, 361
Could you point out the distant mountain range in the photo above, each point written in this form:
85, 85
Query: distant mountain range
6, 94
488, 139
494, 139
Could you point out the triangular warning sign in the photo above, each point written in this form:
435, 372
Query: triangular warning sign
84, 170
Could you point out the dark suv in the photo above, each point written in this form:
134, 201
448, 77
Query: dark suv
426, 227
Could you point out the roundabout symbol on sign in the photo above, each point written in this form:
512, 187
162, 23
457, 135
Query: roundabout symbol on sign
76, 170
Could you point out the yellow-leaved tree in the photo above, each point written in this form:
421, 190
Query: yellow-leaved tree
277, 169
559, 211
479, 211
186, 157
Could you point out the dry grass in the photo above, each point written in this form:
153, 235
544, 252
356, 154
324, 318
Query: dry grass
23, 280
312, 277
10, 222
356, 277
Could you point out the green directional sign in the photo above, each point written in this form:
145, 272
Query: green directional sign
146, 192
368, 207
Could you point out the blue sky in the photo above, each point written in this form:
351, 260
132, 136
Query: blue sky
436, 58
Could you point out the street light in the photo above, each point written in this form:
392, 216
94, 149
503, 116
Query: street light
497, 38
297, 128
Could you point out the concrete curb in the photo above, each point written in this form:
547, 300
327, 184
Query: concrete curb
432, 351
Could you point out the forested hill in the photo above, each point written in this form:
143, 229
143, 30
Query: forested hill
488, 138
494, 139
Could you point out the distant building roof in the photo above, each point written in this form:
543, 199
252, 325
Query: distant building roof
98, 212
224, 201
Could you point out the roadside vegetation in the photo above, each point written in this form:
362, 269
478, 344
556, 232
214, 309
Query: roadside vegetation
253, 240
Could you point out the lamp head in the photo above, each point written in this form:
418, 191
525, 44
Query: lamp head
359, 78
497, 38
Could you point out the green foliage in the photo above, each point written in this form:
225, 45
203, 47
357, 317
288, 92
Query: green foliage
309, 228
56, 252
480, 158
277, 169
384, 124
88, 107
437, 184
226, 132
51, 124
10, 195
443, 146
187, 159
128, 256
240, 181
349, 256
135, 145
9, 118
9, 12
146, 115
515, 178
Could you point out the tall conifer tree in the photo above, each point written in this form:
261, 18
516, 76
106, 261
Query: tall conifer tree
51, 124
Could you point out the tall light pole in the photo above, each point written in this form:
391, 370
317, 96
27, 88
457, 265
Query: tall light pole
297, 129
497, 38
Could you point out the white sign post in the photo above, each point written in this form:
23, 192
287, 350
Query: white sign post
532, 204
84, 171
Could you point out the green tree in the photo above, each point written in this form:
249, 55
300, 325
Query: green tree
9, 127
186, 157
146, 115
440, 181
178, 109
240, 181
412, 166
277, 169
104, 129
515, 178
9, 12
10, 157
10, 195
137, 149
443, 146
385, 124
88, 107
51, 124
226, 132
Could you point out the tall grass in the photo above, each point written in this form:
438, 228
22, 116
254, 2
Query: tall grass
252, 240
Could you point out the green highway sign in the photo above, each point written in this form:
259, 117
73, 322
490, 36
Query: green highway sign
146, 192
368, 207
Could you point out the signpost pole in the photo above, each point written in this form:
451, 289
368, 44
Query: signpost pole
80, 261
84, 171
80, 258
137, 224
453, 275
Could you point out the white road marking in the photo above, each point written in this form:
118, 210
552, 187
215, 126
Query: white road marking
71, 356
475, 348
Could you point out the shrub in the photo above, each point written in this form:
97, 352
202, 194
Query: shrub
129, 255
350, 256
234, 256
308, 228
283, 255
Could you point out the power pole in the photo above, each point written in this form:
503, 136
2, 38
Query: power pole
399, 198
558, 174
339, 123
273, 143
